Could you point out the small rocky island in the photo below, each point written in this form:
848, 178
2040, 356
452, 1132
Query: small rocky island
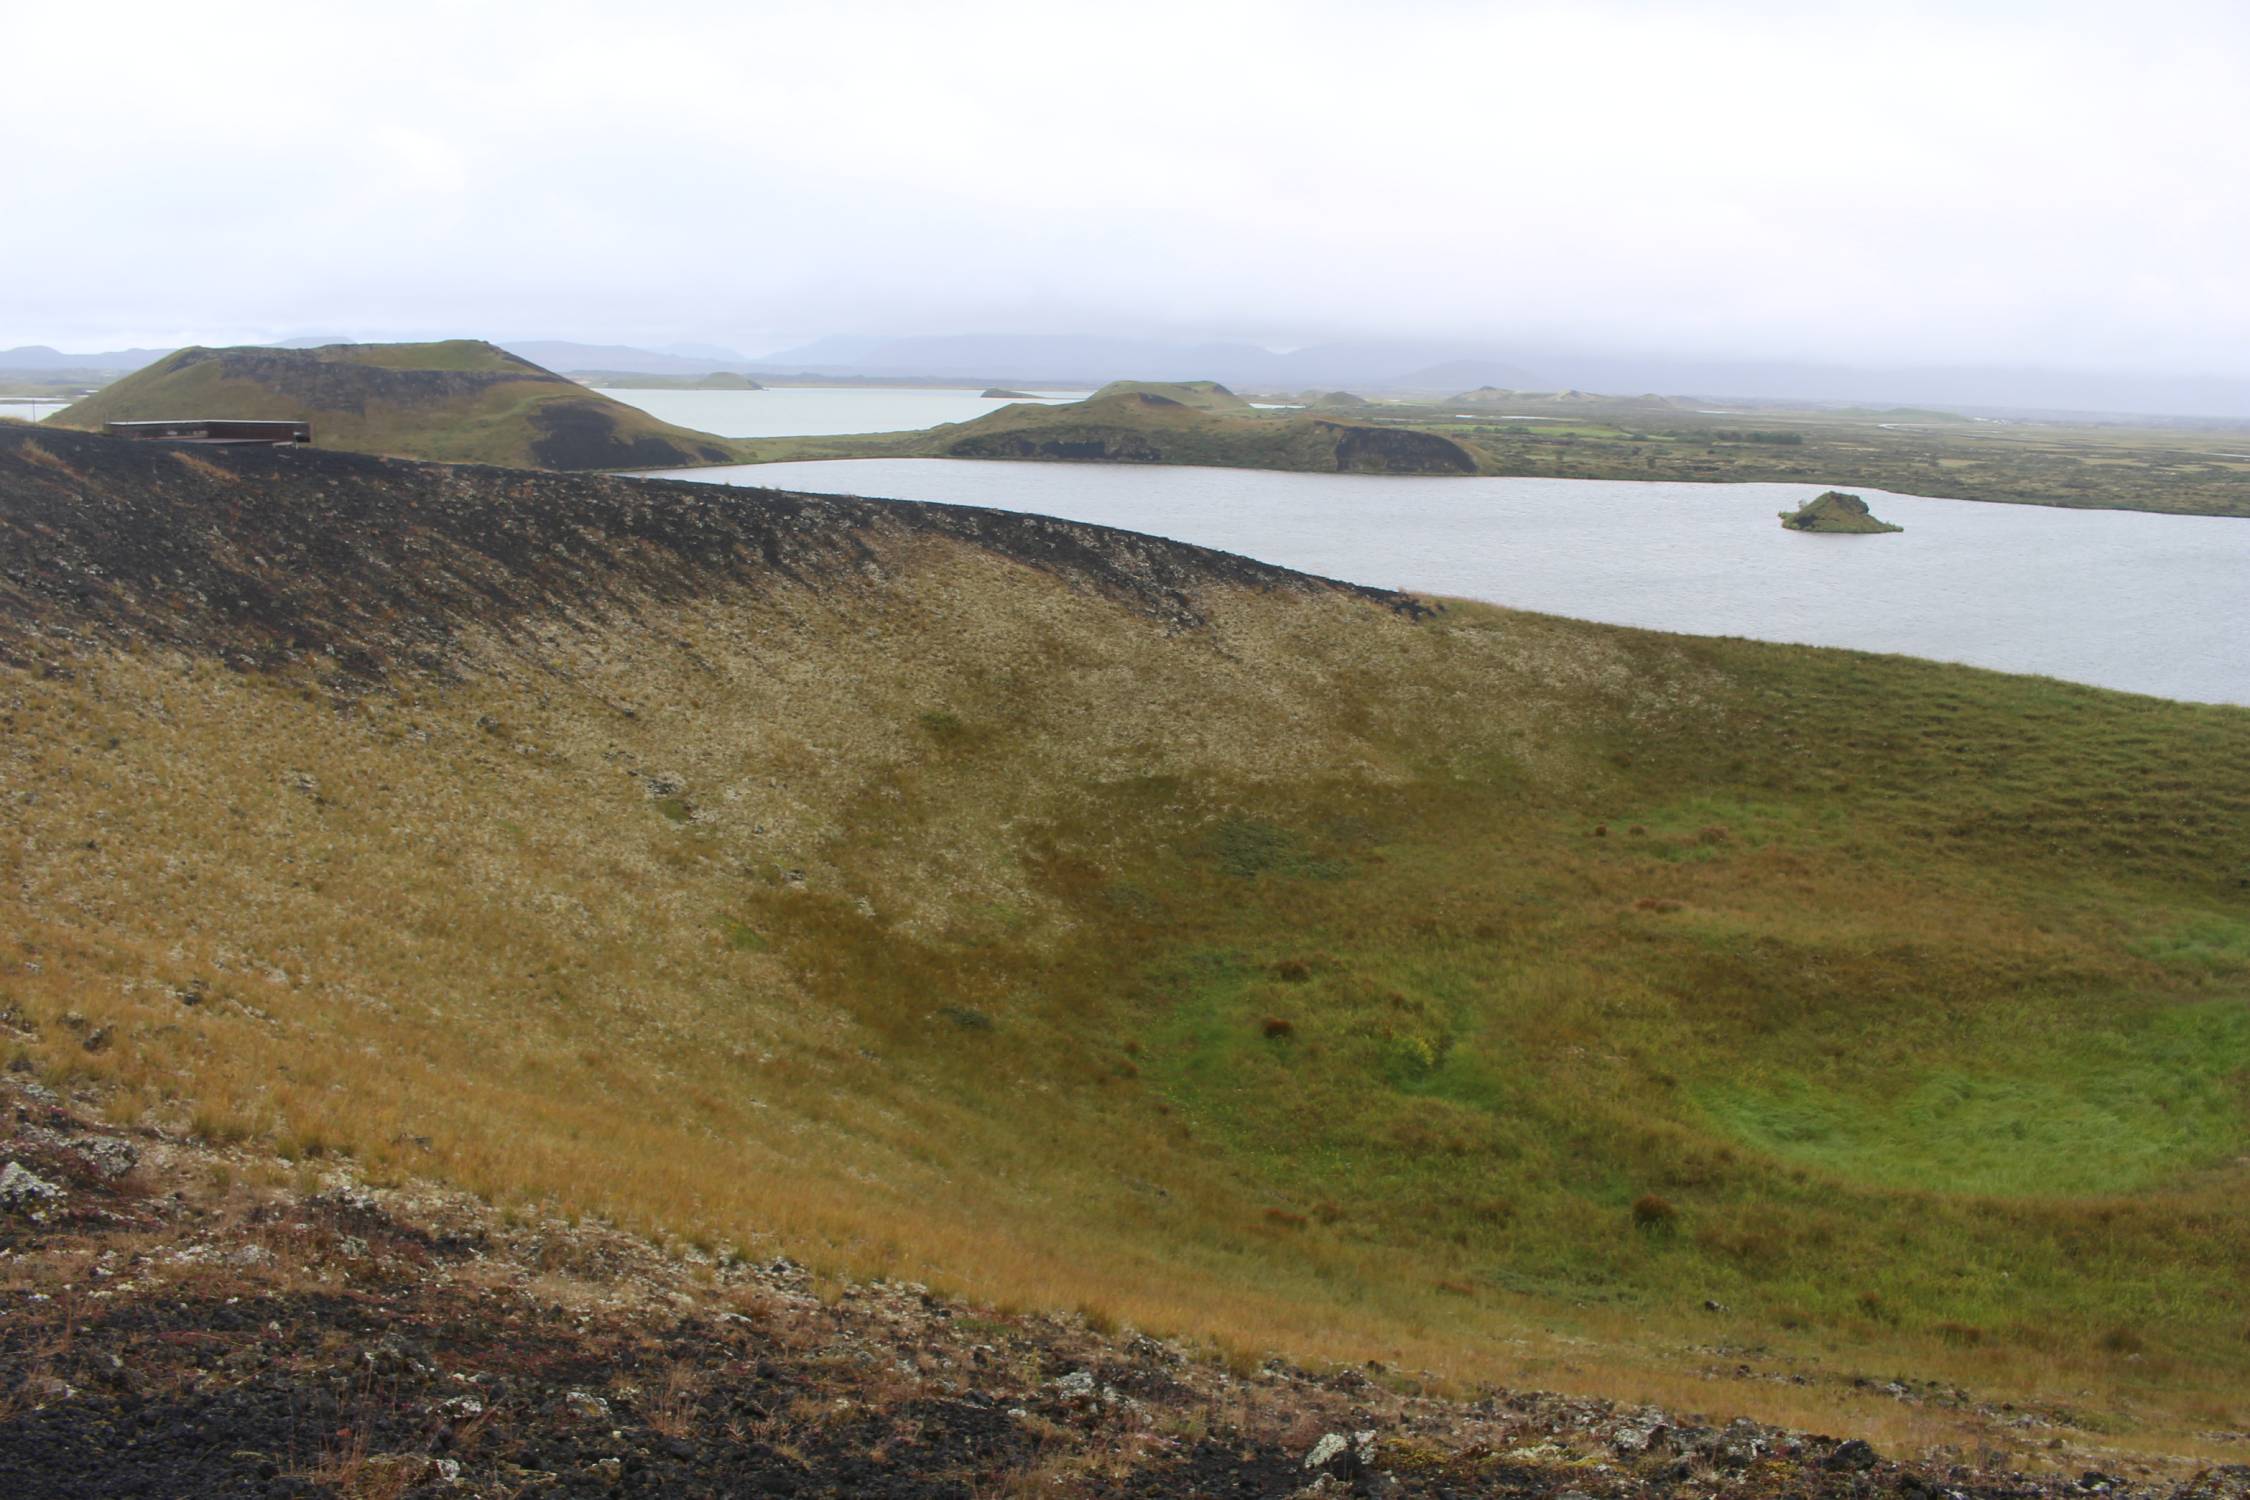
997, 394
1835, 512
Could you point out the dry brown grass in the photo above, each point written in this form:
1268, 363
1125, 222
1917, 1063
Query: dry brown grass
46, 458
196, 463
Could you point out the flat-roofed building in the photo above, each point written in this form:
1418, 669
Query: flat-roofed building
215, 430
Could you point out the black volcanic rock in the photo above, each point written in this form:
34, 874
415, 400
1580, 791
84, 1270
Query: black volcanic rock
261, 553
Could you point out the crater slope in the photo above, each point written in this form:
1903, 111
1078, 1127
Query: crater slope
1068, 919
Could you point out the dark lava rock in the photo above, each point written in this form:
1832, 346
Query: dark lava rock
1852, 1456
260, 555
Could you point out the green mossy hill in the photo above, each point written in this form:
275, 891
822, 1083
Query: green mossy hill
1125, 423
997, 394
460, 401
1837, 512
1204, 395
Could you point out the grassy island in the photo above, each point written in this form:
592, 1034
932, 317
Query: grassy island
1838, 513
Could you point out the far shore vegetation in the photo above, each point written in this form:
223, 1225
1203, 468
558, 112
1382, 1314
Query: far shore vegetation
2186, 468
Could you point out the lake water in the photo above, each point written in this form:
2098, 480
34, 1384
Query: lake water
817, 411
2121, 599
29, 409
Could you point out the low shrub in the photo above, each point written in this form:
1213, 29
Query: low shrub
1652, 1212
2123, 1340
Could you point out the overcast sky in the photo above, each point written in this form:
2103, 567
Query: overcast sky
2049, 184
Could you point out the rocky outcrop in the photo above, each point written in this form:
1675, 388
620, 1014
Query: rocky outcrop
1361, 449
1080, 445
1837, 512
584, 433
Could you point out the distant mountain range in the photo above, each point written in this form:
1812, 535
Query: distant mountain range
39, 359
1080, 359
1437, 369
679, 359
1403, 367
1962, 388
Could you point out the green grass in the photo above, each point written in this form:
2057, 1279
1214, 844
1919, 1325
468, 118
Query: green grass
2086, 1104
743, 938
1857, 1005
2217, 946
444, 354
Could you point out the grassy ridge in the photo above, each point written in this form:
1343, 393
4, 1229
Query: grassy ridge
1442, 991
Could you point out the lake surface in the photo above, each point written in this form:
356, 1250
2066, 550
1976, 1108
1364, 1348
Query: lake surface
2146, 603
817, 411
30, 409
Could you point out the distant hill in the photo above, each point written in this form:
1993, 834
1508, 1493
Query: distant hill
1199, 422
629, 380
461, 401
1203, 395
1034, 359
1494, 398
38, 358
574, 358
1328, 400
1459, 374
1917, 414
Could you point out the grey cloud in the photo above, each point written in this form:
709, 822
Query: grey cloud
2031, 185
